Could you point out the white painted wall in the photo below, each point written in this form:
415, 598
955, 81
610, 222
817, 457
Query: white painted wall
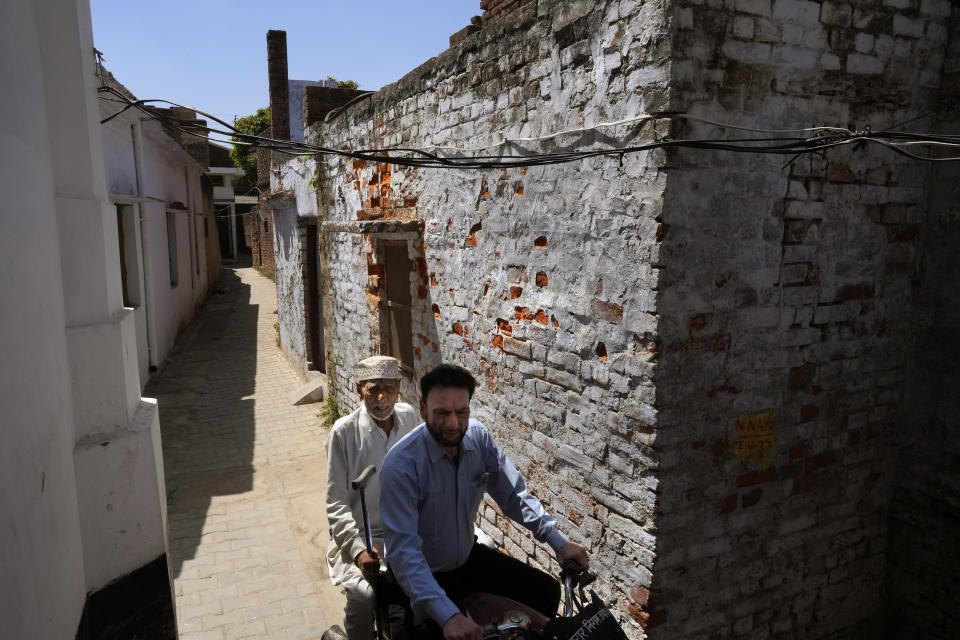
69, 378
168, 175
41, 557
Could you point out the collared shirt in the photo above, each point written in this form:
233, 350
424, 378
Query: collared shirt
429, 504
356, 442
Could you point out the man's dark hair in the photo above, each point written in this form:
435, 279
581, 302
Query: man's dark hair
447, 375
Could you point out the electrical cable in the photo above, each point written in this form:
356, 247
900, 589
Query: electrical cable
823, 137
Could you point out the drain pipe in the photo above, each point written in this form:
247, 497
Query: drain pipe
145, 245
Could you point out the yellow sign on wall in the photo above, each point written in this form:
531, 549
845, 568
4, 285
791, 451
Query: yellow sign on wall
753, 438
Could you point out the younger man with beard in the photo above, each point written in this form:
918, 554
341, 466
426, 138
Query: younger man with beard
355, 442
432, 483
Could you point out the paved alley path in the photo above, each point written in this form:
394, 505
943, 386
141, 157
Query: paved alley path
245, 476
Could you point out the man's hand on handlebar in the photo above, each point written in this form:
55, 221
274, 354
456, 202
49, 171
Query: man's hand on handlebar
460, 627
369, 564
573, 552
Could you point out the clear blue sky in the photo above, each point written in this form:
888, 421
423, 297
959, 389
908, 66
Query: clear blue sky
212, 54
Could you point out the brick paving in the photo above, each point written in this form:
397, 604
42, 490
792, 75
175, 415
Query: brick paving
245, 476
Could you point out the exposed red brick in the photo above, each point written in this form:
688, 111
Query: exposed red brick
801, 376
515, 292
519, 190
541, 317
498, 341
522, 313
602, 351
638, 614
640, 595
839, 172
490, 383
757, 477
433, 280
808, 412
486, 288
541, 242
719, 447
472, 240
436, 311
504, 326
359, 164
751, 497
698, 322
409, 202
457, 328
609, 311
553, 321
728, 504
855, 292
662, 230
820, 461
541, 279
425, 340
904, 233
422, 292
377, 270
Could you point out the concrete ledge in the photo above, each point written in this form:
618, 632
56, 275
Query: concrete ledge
312, 391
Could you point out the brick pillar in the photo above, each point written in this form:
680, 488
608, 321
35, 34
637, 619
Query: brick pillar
279, 86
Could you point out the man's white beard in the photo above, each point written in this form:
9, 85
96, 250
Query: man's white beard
386, 416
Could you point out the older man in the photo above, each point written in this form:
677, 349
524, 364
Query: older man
357, 441
433, 481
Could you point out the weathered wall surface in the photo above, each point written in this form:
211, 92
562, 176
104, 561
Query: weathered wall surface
924, 549
258, 233
288, 254
520, 274
698, 359
785, 317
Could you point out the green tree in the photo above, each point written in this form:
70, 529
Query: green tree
344, 84
240, 154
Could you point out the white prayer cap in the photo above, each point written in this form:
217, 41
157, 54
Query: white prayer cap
378, 367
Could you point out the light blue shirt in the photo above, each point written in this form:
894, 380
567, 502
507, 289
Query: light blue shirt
429, 503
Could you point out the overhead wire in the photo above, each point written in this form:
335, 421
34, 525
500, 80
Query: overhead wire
779, 141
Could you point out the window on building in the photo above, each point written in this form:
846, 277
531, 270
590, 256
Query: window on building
127, 237
172, 247
396, 302
216, 180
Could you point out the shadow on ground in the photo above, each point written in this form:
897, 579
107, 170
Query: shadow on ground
205, 394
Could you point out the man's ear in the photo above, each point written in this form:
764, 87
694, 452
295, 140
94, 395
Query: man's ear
423, 410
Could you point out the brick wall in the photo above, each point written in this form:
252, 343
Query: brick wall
519, 272
785, 317
258, 232
699, 360
923, 547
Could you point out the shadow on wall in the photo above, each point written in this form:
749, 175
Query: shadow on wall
207, 413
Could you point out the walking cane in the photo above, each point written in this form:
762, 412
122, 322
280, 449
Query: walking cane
359, 484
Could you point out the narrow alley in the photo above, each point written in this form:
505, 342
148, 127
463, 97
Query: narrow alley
245, 475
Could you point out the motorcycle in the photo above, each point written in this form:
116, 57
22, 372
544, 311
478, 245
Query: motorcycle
499, 617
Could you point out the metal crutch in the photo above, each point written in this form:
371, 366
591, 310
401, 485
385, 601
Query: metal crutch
359, 484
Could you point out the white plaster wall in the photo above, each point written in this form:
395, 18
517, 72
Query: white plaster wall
41, 557
171, 308
65, 336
